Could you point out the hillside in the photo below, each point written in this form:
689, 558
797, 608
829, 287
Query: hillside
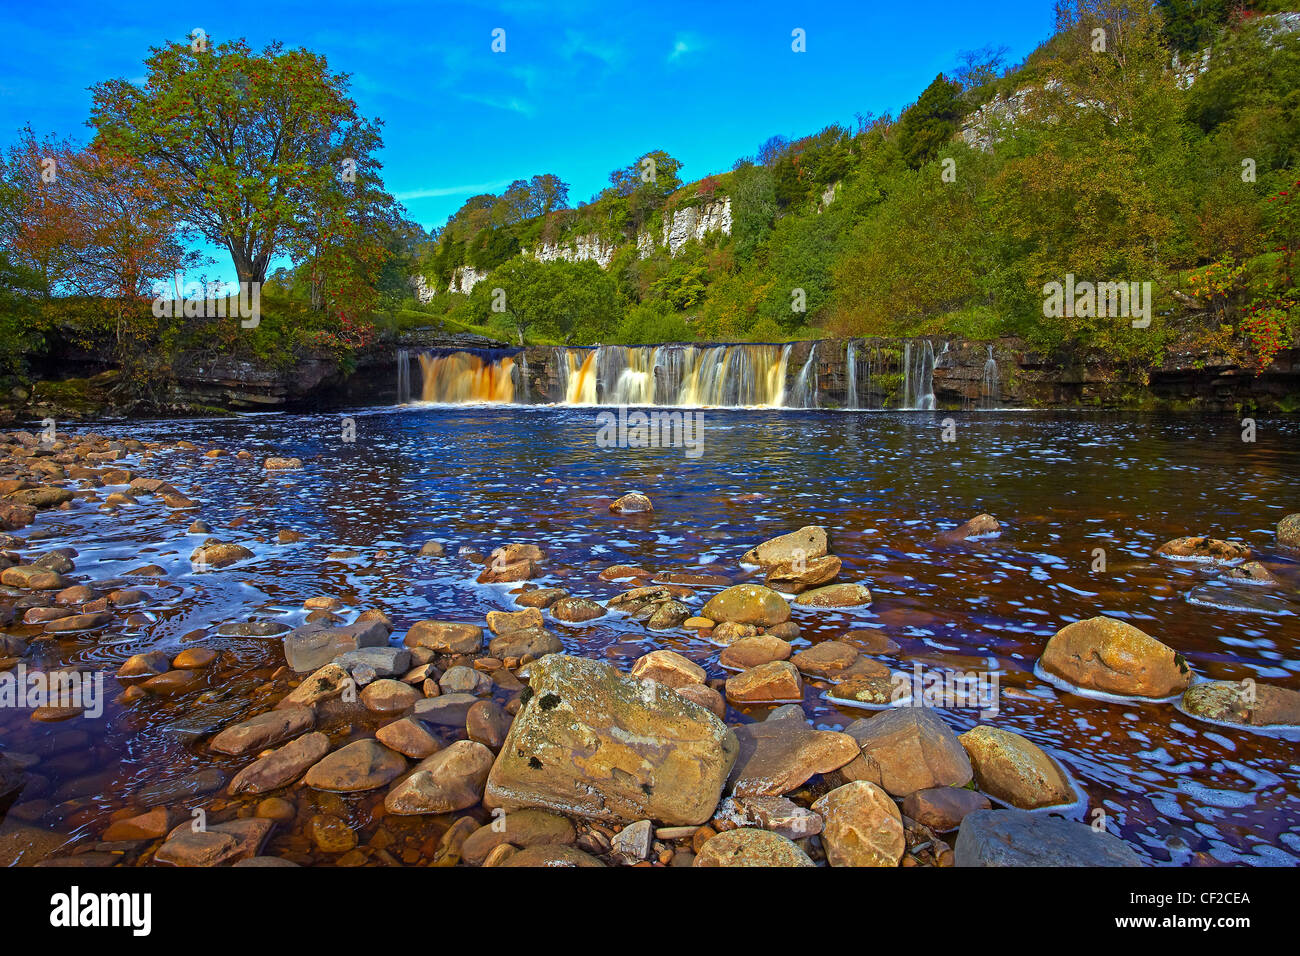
1168, 156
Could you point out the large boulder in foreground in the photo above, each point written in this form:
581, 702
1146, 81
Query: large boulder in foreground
1107, 655
807, 543
1017, 838
593, 742
747, 604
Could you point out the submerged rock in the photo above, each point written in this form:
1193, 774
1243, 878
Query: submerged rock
1288, 531
1205, 549
445, 637
1017, 838
1111, 656
594, 742
1243, 702
631, 503
576, 610
519, 828
314, 645
218, 554
980, 526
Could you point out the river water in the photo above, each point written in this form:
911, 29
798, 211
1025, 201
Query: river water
885, 485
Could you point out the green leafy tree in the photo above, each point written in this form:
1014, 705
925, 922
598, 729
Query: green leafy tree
928, 125
246, 147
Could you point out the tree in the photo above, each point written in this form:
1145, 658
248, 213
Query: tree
247, 148
753, 208
930, 123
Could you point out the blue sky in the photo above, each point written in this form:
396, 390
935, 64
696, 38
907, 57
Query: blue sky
582, 88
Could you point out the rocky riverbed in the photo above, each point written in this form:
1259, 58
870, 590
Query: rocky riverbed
343, 731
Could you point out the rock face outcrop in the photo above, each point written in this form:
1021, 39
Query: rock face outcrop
594, 742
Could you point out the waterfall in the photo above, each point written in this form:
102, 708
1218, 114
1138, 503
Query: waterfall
851, 375
461, 377
992, 383
918, 376
403, 376
715, 375
805, 386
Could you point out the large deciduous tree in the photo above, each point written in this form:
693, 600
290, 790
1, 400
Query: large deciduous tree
253, 150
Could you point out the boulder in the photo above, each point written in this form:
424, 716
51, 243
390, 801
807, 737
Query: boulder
862, 826
746, 846
1114, 657
264, 730
281, 767
360, 765
752, 651
451, 779
1017, 838
1015, 770
519, 828
668, 668
312, 646
800, 576
1288, 531
503, 622
631, 503
410, 737
835, 595
536, 641
1248, 703
218, 554
774, 682
747, 604
445, 637
576, 610
594, 742
980, 526
806, 544
943, 808
778, 756
1204, 549
908, 749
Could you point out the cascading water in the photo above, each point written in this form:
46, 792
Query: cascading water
720, 375
805, 386
403, 376
992, 393
460, 377
918, 376
851, 376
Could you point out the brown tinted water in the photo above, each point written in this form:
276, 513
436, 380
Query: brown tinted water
885, 486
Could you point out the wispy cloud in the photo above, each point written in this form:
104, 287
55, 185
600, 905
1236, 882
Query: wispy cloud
437, 191
684, 45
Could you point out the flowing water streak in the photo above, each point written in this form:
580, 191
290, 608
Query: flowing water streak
851, 374
403, 376
805, 386
992, 382
461, 377
918, 376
